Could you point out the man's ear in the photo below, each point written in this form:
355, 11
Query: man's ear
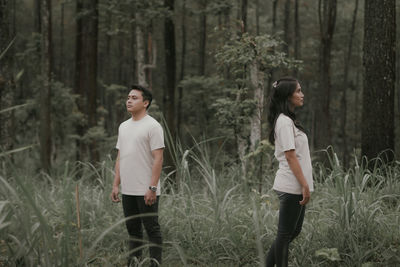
146, 103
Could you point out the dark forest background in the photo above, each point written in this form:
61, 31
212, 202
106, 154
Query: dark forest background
66, 68
65, 71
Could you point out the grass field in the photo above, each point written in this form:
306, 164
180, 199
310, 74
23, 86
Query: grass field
212, 216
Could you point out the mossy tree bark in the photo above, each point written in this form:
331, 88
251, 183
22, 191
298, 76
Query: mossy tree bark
86, 71
327, 20
45, 91
379, 78
6, 76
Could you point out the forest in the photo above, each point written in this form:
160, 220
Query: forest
67, 66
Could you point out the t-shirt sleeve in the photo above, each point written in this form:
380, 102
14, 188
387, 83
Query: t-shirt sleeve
285, 136
156, 138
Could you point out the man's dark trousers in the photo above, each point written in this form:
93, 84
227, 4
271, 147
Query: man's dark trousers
135, 206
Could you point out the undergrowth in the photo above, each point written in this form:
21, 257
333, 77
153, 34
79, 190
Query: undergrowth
211, 216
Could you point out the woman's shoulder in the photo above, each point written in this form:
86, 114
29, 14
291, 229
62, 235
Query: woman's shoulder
283, 120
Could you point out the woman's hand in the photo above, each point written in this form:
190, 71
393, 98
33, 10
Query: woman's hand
306, 195
114, 194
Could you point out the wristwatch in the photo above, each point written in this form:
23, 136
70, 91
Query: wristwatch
153, 188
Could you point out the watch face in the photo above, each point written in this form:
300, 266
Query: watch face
153, 188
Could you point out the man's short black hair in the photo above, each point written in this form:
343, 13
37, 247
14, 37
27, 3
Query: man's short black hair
146, 93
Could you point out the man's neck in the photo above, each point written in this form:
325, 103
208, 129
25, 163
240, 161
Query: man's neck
138, 116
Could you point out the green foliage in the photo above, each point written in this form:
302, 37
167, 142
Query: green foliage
219, 7
210, 219
14, 107
234, 113
29, 57
330, 254
123, 14
4, 52
264, 49
263, 147
235, 109
20, 149
96, 133
65, 114
199, 94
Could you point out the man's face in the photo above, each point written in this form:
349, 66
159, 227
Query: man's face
135, 103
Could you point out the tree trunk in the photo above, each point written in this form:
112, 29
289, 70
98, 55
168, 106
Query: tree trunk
203, 38
86, 70
6, 76
345, 85
132, 52
241, 141
150, 57
141, 65
121, 56
274, 7
45, 91
105, 71
297, 36
170, 65
90, 71
37, 21
271, 72
244, 15
327, 19
242, 148
379, 78
182, 68
286, 29
140, 52
61, 48
257, 81
257, 17
79, 89
357, 104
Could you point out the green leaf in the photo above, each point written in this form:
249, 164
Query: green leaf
7, 48
19, 75
331, 254
15, 107
16, 150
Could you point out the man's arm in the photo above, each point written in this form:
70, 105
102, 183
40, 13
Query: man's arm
117, 181
150, 197
294, 165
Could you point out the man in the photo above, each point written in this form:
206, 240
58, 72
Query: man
138, 167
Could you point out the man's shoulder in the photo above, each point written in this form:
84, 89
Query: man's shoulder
152, 122
124, 122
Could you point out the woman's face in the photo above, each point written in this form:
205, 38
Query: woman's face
297, 98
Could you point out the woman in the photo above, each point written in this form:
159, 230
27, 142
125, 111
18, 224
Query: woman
293, 180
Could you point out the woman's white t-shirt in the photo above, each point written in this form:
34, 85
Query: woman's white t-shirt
289, 137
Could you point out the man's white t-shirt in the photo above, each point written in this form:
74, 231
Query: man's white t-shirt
136, 140
288, 137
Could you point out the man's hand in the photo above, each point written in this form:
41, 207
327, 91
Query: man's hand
114, 194
150, 197
306, 195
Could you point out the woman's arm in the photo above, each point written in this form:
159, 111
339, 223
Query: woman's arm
298, 173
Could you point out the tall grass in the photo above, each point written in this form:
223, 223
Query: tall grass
211, 217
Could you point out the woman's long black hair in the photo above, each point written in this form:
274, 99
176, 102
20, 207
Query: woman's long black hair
279, 103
